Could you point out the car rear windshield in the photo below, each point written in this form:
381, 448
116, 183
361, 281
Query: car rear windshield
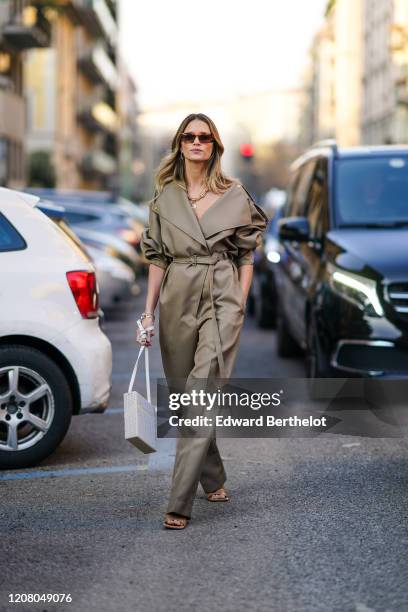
372, 191
10, 239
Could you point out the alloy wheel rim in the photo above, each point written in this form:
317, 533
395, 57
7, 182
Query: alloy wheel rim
27, 408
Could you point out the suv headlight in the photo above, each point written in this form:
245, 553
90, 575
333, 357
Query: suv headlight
358, 290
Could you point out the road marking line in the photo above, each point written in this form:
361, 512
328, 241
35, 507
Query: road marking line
74, 471
361, 607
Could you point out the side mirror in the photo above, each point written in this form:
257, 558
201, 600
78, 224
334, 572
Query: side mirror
294, 229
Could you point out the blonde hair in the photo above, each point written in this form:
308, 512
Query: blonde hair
172, 166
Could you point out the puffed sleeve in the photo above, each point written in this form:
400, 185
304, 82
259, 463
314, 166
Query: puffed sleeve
248, 237
151, 242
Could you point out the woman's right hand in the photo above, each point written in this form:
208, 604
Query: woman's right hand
145, 340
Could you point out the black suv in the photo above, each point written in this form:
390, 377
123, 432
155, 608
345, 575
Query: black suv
342, 278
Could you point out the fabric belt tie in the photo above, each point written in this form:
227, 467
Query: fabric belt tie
209, 260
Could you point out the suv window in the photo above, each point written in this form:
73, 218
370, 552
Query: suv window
317, 201
10, 239
290, 191
372, 190
302, 189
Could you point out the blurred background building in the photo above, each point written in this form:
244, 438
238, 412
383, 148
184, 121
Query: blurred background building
70, 116
333, 80
67, 101
385, 117
22, 27
72, 96
356, 82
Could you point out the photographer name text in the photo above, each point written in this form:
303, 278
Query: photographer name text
260, 421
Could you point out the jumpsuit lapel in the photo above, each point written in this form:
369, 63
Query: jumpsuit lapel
226, 213
179, 213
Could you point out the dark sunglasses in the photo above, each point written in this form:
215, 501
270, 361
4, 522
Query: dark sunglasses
202, 138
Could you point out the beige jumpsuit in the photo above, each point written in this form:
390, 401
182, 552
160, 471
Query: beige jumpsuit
201, 309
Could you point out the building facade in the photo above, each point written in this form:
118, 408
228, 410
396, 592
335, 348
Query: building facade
379, 103
72, 91
348, 23
130, 164
333, 84
22, 27
398, 47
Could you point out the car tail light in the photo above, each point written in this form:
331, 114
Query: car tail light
85, 291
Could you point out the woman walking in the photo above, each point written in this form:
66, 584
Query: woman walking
203, 229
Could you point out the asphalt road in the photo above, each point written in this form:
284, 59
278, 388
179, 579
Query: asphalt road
313, 525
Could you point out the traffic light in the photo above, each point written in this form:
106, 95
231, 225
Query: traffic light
247, 151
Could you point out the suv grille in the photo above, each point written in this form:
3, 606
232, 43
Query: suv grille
398, 295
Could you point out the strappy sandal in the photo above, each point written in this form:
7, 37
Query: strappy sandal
218, 497
180, 519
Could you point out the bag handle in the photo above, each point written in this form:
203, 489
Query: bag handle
147, 373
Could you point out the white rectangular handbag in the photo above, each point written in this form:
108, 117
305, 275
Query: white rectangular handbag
140, 413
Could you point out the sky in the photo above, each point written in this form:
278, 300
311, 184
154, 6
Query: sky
183, 50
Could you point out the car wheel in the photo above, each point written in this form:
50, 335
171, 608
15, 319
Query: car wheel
285, 343
317, 362
263, 301
266, 306
35, 406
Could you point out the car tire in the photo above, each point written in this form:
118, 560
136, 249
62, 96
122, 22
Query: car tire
266, 307
316, 363
37, 424
286, 345
260, 307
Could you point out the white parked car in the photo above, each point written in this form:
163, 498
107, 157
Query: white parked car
55, 361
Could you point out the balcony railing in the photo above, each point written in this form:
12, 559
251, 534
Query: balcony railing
97, 65
84, 101
27, 30
401, 84
401, 74
96, 16
98, 162
402, 97
96, 114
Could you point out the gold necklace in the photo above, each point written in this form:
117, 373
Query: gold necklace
193, 201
